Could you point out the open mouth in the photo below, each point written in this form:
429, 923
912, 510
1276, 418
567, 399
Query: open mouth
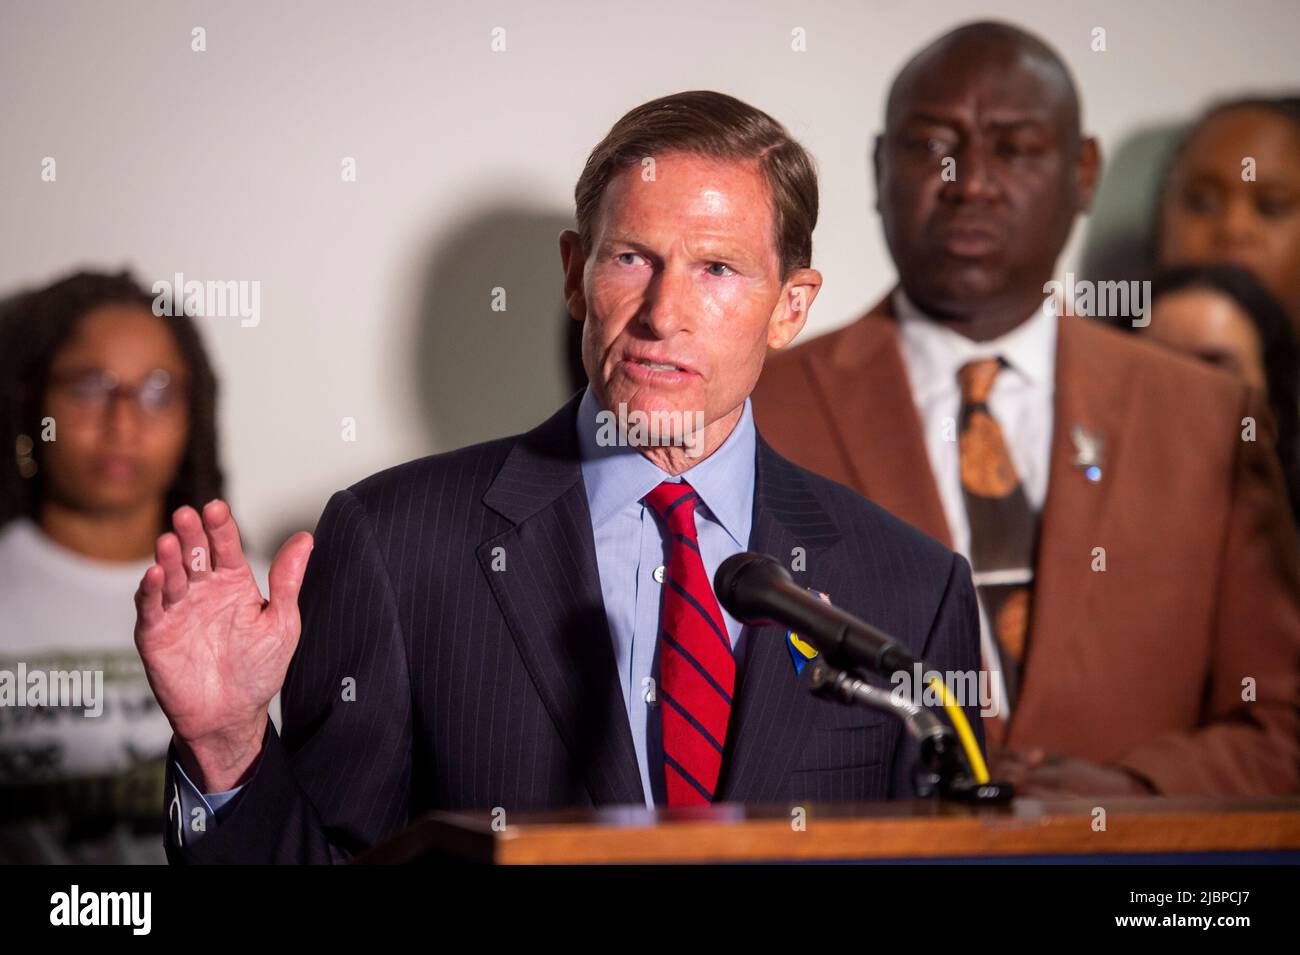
654, 372
656, 365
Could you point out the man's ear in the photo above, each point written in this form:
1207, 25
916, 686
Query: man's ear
791, 312
1089, 171
574, 261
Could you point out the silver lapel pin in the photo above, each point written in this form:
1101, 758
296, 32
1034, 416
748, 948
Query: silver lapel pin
1088, 448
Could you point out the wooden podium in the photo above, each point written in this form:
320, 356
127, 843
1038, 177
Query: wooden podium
1154, 829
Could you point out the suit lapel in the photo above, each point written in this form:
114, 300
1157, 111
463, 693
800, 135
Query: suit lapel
773, 709
865, 383
549, 594
1092, 388
550, 597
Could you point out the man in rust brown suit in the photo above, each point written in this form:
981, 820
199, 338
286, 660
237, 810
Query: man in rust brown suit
1129, 540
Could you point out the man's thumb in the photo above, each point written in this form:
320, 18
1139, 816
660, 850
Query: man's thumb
287, 569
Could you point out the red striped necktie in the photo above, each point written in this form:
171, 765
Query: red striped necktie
697, 671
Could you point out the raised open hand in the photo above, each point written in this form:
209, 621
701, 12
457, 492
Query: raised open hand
214, 650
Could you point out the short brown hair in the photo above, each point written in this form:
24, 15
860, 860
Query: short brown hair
722, 127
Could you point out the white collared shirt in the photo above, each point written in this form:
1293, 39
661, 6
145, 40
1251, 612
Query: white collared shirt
1021, 400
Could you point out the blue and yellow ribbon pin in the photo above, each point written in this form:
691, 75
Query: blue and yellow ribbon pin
801, 651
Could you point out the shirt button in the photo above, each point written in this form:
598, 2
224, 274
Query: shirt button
659, 574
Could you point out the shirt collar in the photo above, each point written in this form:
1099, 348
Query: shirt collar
935, 352
618, 476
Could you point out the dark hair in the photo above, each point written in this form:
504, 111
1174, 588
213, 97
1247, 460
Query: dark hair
1279, 349
721, 127
1286, 107
34, 326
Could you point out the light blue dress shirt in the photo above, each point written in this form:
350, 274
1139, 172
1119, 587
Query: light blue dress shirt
632, 544
632, 547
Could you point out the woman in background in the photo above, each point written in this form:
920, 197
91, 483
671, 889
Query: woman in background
109, 420
1232, 194
1224, 316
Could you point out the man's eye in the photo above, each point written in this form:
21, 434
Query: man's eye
1274, 207
627, 258
714, 266
926, 144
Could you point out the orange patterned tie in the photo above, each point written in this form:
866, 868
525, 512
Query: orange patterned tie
1003, 525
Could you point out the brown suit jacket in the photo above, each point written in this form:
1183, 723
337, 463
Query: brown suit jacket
1141, 665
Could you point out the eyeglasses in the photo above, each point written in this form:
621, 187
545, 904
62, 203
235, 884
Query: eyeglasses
95, 389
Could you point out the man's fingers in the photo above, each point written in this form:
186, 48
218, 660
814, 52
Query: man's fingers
196, 553
1010, 768
285, 577
167, 553
1038, 757
223, 532
148, 598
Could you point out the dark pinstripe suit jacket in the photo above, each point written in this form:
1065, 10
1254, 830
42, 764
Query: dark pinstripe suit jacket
478, 687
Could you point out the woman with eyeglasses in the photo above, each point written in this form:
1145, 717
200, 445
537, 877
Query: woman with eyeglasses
109, 418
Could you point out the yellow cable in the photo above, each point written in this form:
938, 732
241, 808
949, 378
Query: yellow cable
964, 732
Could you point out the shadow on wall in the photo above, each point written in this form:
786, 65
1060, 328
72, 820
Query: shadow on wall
1120, 244
480, 373
495, 351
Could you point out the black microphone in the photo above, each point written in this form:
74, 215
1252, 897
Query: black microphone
757, 590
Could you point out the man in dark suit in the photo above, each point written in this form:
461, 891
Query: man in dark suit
529, 623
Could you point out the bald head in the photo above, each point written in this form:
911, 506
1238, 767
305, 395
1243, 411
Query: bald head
980, 173
962, 58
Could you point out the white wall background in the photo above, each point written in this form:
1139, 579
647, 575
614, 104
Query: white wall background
226, 165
